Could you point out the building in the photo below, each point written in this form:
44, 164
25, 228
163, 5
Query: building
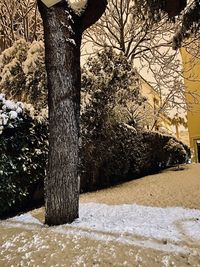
191, 68
161, 122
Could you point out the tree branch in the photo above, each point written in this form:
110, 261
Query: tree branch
93, 12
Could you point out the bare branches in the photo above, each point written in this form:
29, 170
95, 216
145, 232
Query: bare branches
19, 19
148, 45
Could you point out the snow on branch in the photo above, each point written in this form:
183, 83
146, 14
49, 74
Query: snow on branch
78, 6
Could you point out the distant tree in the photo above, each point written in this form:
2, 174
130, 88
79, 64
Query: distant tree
177, 121
110, 97
23, 75
19, 19
110, 93
175, 98
147, 45
188, 11
122, 28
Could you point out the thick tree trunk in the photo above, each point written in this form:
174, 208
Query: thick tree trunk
62, 56
62, 35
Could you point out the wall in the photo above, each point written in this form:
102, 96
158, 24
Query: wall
191, 69
153, 98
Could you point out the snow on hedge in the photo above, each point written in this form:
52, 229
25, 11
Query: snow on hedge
9, 112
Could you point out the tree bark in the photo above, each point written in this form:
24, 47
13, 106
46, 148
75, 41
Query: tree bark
62, 35
62, 58
174, 7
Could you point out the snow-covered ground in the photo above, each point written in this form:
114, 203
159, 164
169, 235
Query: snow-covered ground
111, 234
164, 229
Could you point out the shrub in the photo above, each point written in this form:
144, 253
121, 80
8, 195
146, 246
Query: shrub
23, 75
125, 154
114, 145
177, 151
112, 149
23, 150
110, 88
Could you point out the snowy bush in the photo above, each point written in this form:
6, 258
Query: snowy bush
176, 150
124, 154
110, 88
114, 145
22, 73
23, 150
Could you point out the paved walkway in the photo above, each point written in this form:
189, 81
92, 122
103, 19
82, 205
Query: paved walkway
170, 188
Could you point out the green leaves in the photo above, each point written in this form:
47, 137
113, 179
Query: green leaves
23, 151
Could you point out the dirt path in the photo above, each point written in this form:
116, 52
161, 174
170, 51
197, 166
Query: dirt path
30, 243
167, 189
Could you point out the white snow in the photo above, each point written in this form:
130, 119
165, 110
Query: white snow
72, 41
9, 110
19, 110
122, 239
150, 222
3, 119
10, 105
166, 261
13, 114
78, 6
26, 218
21, 105
164, 229
2, 96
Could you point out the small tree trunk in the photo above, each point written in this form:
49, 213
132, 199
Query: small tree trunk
177, 131
62, 58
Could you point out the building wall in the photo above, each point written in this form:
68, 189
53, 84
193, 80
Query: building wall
191, 68
151, 95
153, 99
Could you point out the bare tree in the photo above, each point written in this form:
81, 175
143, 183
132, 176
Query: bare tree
148, 45
19, 19
123, 29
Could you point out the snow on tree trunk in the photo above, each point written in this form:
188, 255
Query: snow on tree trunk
62, 52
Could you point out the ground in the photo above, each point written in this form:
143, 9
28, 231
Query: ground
153, 221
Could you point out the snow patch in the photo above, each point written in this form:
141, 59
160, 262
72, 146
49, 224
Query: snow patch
10, 104
13, 115
171, 224
78, 6
164, 229
25, 218
123, 239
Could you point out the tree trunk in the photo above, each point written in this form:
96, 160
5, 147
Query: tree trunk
62, 58
62, 34
177, 131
